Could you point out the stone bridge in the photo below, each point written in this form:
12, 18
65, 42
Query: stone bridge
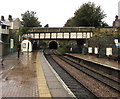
60, 33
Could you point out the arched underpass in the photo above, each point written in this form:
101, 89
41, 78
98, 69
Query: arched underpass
53, 45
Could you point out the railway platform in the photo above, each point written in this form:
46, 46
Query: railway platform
31, 76
102, 61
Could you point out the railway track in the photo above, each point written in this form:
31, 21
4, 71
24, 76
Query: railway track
98, 84
77, 88
106, 80
103, 70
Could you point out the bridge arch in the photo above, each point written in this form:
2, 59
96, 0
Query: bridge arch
53, 45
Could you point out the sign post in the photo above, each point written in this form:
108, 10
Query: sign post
117, 44
11, 46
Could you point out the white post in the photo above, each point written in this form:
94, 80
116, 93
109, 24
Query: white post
108, 51
96, 50
90, 50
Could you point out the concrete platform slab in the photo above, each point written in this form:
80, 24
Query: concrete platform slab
59, 93
101, 61
20, 81
56, 86
31, 76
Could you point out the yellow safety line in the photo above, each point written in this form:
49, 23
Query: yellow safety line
42, 85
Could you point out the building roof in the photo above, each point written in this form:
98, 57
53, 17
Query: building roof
7, 22
3, 23
13, 19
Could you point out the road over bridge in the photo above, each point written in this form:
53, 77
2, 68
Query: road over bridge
60, 33
80, 34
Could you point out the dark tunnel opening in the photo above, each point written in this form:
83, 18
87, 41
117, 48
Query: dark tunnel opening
53, 45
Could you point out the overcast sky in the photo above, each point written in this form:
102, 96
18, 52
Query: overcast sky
55, 12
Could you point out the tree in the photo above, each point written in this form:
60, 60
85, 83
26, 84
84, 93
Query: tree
69, 22
23, 30
104, 24
30, 20
88, 15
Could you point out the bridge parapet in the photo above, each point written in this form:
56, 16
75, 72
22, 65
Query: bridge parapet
60, 33
63, 29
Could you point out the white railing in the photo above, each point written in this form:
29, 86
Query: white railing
69, 35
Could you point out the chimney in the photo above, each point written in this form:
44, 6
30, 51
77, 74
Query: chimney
116, 17
2, 18
10, 18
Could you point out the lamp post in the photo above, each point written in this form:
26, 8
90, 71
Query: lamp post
116, 40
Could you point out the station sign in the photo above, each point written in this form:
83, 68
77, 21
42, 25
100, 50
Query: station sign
117, 44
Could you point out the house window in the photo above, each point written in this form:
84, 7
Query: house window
3, 27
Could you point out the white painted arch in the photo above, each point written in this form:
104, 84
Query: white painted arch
26, 46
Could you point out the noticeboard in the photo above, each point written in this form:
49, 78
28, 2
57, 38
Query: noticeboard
108, 51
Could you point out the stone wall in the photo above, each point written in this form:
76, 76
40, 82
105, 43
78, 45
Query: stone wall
13, 34
107, 30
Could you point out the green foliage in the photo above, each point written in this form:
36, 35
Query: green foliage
43, 44
103, 41
118, 28
70, 22
87, 15
63, 48
103, 24
30, 20
23, 30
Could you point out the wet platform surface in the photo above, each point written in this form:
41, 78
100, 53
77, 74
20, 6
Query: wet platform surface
19, 76
30, 76
102, 61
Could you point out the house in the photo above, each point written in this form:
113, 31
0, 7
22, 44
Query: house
116, 23
15, 23
4, 29
4, 34
5, 26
